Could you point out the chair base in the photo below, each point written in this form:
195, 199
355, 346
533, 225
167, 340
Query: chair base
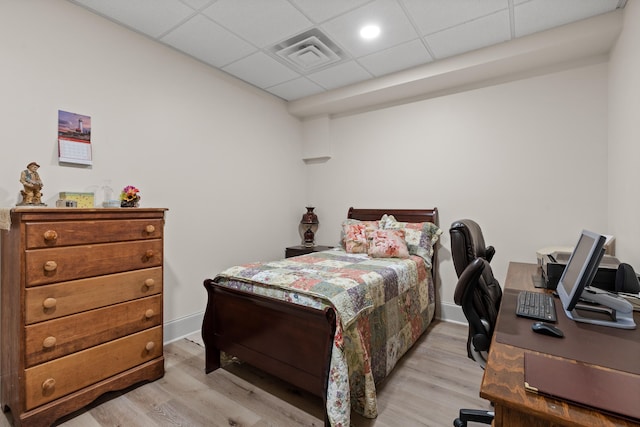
473, 415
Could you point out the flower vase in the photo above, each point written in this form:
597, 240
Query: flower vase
130, 203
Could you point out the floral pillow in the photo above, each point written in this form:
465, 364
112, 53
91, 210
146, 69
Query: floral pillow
388, 244
421, 237
354, 238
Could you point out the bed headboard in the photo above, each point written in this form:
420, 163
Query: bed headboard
403, 215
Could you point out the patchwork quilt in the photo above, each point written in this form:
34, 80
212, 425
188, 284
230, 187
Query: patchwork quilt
383, 307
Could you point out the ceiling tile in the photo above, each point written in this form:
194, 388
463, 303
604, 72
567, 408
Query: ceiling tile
394, 24
295, 89
208, 41
431, 16
540, 15
262, 23
151, 17
320, 11
406, 55
261, 70
340, 75
242, 36
198, 4
492, 29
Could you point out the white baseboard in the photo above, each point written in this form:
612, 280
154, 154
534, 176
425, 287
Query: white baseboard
180, 328
451, 313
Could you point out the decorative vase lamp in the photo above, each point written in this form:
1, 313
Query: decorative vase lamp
309, 224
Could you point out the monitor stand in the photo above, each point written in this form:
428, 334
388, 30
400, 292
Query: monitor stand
603, 308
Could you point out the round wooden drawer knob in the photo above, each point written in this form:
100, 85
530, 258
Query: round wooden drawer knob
150, 345
50, 235
50, 266
149, 283
150, 229
49, 303
49, 342
149, 313
149, 253
48, 385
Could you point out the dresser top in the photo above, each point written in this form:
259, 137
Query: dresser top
84, 210
26, 213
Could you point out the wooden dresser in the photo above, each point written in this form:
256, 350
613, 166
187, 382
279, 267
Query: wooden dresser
81, 307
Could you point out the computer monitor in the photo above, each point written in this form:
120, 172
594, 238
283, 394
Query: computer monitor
609, 309
581, 268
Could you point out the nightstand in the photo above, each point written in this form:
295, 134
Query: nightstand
292, 251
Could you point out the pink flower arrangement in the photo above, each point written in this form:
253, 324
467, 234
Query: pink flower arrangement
130, 194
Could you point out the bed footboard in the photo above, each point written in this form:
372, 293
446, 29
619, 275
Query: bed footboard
289, 341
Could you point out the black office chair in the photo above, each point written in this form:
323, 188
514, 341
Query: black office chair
467, 244
479, 294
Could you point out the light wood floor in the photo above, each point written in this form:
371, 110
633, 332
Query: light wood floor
426, 388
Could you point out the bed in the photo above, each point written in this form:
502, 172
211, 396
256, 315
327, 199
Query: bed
330, 337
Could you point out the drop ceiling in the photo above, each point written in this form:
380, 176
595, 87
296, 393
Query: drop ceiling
297, 48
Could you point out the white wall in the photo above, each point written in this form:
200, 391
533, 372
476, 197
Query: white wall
624, 138
526, 160
222, 156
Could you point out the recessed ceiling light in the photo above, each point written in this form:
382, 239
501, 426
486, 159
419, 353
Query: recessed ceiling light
369, 32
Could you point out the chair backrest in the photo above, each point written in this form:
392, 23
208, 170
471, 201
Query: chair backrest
477, 291
467, 244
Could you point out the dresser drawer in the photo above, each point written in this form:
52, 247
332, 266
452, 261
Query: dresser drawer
76, 262
51, 380
69, 233
55, 338
61, 299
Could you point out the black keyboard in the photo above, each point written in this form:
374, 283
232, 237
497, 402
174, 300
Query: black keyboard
536, 305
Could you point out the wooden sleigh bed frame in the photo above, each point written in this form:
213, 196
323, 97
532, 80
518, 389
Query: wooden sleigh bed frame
261, 331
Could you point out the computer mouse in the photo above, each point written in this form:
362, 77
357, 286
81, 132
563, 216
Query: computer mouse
546, 329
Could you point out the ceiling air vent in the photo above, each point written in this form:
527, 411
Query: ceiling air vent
309, 51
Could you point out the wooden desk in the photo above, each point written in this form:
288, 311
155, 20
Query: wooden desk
503, 381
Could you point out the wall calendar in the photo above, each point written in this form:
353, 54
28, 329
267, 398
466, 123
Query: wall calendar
74, 138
